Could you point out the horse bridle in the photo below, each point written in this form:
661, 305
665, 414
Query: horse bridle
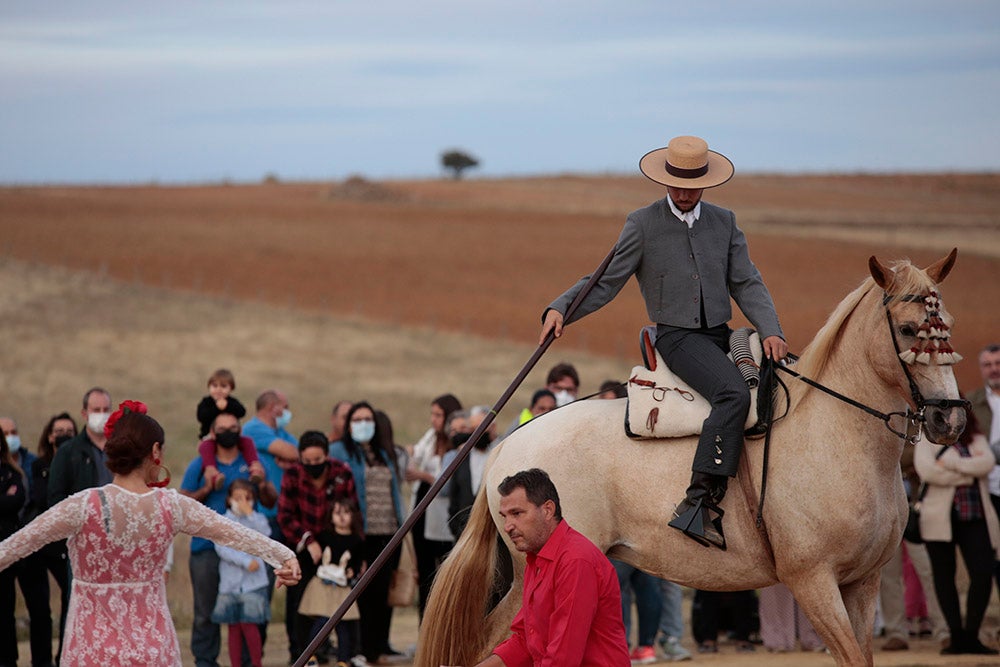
914, 419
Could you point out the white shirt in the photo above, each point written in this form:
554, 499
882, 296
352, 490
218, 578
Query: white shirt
690, 217
993, 400
477, 462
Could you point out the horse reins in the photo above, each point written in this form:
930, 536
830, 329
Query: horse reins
912, 419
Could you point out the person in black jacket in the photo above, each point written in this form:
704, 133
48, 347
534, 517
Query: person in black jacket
12, 497
79, 463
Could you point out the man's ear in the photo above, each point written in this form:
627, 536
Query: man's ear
549, 507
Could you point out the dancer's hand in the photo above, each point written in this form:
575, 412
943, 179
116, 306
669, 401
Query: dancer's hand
289, 573
553, 322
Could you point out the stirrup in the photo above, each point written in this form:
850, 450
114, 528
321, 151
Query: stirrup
691, 522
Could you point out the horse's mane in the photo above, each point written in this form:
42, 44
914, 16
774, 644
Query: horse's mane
907, 279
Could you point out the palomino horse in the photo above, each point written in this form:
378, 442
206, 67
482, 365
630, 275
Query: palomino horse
835, 506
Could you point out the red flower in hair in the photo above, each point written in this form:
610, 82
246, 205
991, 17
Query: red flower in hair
123, 408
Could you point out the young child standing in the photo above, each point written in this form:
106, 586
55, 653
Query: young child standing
342, 545
220, 400
242, 603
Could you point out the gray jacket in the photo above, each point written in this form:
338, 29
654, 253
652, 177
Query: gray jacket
676, 267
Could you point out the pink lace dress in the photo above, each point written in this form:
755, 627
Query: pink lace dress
118, 543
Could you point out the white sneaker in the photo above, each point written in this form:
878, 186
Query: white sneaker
359, 661
672, 649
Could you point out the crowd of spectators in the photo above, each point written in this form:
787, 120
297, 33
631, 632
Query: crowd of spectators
295, 484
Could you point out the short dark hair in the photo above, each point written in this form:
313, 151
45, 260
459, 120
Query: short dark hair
95, 390
991, 348
266, 399
131, 442
313, 439
563, 370
539, 395
537, 487
615, 386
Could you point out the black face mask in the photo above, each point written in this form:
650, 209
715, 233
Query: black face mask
315, 470
459, 439
60, 439
227, 439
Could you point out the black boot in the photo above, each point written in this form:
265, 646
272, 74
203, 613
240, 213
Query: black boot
699, 516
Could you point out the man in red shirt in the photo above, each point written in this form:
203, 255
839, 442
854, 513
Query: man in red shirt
571, 606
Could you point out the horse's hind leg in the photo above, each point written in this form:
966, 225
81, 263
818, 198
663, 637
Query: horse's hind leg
820, 599
859, 600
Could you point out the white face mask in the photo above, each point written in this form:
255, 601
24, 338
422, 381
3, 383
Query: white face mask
14, 442
363, 431
96, 422
563, 397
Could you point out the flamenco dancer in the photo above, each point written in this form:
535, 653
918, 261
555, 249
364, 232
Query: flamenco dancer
117, 537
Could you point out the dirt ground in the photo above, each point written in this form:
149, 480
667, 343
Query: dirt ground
922, 652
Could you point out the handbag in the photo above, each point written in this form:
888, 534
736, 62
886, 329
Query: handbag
912, 531
403, 586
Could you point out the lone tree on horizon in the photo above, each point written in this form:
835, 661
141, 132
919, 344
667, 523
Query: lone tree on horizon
458, 161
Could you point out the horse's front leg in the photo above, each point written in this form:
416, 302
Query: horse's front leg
859, 600
820, 597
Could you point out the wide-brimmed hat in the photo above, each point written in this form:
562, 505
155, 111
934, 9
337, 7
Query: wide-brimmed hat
686, 162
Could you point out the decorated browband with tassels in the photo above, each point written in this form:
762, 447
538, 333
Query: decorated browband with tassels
932, 337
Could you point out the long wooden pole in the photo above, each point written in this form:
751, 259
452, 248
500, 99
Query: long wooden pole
447, 473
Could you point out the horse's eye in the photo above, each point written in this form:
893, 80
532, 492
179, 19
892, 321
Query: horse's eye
907, 330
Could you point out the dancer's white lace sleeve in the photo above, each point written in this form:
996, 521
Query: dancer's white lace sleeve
58, 523
194, 518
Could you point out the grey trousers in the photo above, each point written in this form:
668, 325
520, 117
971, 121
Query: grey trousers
698, 356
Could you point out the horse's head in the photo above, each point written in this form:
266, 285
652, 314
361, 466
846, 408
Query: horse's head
921, 353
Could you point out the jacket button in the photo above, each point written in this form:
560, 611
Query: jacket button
695, 299
695, 276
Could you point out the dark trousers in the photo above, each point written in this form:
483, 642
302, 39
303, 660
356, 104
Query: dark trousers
698, 356
430, 555
973, 539
205, 636
33, 580
376, 614
298, 626
714, 610
996, 565
54, 559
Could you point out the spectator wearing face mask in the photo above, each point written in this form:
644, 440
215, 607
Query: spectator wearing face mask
369, 451
461, 490
58, 430
564, 383
29, 572
277, 448
79, 463
203, 563
304, 506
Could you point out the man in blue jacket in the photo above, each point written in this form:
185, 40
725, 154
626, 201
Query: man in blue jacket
690, 259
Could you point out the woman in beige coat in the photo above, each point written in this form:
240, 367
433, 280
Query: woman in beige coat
956, 512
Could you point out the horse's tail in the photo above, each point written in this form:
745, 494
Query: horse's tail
453, 630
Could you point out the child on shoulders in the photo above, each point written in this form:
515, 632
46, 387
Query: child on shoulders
220, 400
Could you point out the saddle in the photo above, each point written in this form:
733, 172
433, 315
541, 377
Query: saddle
661, 405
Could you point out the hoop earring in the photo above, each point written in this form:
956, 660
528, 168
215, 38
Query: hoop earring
157, 482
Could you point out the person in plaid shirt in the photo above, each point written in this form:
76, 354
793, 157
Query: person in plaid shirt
308, 490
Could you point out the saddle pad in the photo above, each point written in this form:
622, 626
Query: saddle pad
661, 405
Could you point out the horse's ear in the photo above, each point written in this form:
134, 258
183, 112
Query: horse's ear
882, 274
940, 269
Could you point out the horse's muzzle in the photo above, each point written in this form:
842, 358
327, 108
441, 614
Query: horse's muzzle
944, 425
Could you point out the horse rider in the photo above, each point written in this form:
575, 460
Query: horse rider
689, 259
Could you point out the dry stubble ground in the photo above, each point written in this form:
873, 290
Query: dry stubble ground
349, 291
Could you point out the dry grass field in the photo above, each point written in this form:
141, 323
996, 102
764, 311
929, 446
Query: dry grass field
399, 291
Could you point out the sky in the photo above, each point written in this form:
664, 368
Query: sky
182, 91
